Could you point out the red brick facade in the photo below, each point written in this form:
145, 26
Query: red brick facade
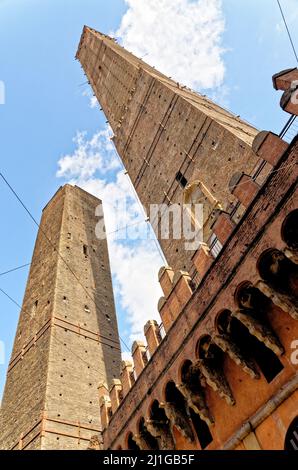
220, 372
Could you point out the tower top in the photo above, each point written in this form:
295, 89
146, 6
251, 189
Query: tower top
71, 188
89, 40
178, 146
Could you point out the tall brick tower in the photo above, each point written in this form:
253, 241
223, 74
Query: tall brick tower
177, 146
67, 338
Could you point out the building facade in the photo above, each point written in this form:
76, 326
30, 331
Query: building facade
220, 372
67, 338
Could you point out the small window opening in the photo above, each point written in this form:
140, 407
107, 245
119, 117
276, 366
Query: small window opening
181, 179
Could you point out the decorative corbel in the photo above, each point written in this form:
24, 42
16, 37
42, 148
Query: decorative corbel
282, 301
178, 419
262, 332
229, 347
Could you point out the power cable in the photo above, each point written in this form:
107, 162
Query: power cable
15, 269
288, 31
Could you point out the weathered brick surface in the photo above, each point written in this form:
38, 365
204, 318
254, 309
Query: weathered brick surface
259, 230
161, 128
56, 375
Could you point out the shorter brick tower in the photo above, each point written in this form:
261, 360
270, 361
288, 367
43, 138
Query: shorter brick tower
67, 338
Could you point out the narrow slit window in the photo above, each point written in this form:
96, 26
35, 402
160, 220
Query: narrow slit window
85, 250
181, 179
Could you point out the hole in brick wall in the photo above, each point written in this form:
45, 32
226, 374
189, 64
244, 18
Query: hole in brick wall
60, 394
87, 309
108, 317
85, 250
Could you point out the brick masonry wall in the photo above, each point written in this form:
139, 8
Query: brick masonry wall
53, 382
161, 128
259, 230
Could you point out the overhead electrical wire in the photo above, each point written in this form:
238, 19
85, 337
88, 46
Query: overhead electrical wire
288, 31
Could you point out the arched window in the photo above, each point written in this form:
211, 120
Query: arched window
289, 230
157, 413
177, 411
279, 272
131, 444
253, 306
159, 426
291, 440
151, 442
211, 359
202, 430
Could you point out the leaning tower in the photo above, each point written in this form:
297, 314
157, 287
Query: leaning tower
177, 146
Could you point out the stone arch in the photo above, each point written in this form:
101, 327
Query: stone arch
228, 341
158, 425
279, 272
211, 359
191, 388
253, 332
221, 320
146, 440
176, 409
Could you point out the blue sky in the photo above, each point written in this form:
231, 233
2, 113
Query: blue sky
45, 108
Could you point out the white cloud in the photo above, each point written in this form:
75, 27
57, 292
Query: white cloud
182, 38
93, 103
96, 154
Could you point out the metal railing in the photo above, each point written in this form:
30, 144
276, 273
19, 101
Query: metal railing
290, 130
